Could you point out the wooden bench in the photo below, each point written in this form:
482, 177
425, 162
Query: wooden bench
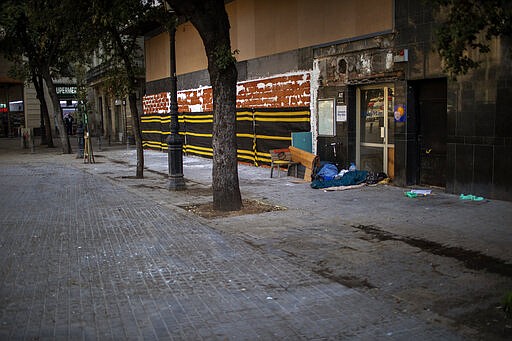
308, 160
281, 157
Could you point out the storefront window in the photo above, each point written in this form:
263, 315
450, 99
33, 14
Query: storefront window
372, 115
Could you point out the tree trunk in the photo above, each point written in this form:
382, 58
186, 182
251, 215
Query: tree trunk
130, 73
223, 75
226, 189
210, 19
38, 85
137, 134
63, 134
47, 125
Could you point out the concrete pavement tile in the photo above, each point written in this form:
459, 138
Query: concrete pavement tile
130, 268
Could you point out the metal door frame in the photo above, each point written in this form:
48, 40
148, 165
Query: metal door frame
384, 145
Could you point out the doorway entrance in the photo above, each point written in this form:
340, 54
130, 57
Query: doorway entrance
432, 130
375, 149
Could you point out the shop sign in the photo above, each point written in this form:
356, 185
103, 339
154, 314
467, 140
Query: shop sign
66, 90
16, 106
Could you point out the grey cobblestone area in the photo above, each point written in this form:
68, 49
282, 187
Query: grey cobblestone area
85, 259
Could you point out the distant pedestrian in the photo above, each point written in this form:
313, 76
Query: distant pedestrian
68, 123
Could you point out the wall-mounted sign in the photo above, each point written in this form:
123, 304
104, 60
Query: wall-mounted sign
401, 56
400, 113
326, 125
341, 113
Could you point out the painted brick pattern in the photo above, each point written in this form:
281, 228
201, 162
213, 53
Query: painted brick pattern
286, 91
197, 100
279, 92
156, 104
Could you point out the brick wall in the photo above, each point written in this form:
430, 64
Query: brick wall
286, 91
269, 110
156, 104
279, 92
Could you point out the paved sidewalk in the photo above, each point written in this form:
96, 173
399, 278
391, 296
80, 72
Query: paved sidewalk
90, 253
480, 226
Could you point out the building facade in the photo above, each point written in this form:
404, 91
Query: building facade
20, 108
109, 113
362, 77
12, 108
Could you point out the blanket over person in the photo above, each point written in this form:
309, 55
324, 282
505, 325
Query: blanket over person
348, 179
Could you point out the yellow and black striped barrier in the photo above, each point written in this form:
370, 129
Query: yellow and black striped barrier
258, 131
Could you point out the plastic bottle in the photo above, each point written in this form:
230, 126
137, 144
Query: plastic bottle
352, 167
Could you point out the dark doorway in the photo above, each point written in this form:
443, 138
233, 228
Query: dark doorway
432, 131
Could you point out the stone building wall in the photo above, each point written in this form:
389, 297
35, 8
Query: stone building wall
479, 118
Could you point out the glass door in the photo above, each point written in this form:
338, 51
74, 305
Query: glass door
375, 132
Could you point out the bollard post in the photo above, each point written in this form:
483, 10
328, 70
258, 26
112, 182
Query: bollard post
21, 133
80, 137
31, 139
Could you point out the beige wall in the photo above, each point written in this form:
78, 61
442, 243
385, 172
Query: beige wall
266, 27
156, 54
190, 55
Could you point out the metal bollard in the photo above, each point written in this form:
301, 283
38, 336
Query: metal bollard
31, 139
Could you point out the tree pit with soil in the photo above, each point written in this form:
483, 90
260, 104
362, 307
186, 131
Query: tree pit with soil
249, 206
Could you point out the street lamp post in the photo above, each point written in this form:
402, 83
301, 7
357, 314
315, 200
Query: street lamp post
125, 124
174, 141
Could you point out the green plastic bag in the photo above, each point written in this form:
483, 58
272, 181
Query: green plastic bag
470, 197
